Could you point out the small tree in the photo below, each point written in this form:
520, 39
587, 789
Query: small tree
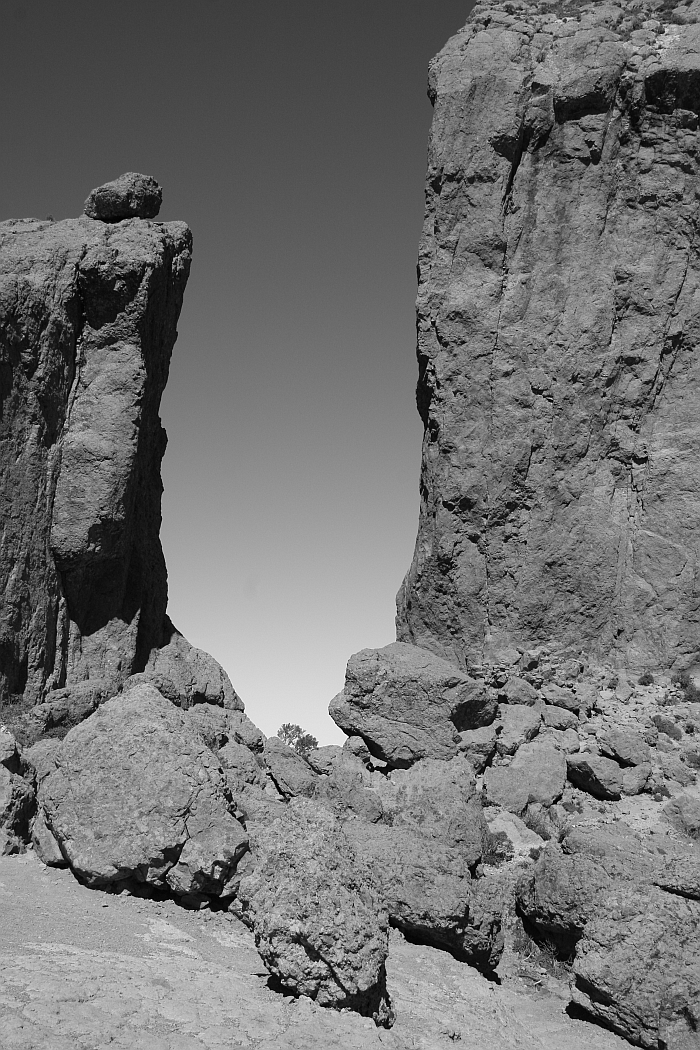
298, 738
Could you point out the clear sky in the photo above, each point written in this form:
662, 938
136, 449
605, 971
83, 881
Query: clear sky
291, 135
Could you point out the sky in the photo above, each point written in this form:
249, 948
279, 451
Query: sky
291, 135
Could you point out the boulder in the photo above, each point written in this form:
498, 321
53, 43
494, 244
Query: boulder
600, 777
518, 691
626, 746
683, 813
429, 893
323, 759
668, 726
136, 794
556, 696
637, 968
518, 725
478, 746
188, 676
408, 704
351, 788
559, 897
291, 773
131, 196
537, 774
559, 718
66, 707
319, 926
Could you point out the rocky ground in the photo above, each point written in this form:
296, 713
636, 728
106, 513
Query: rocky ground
84, 970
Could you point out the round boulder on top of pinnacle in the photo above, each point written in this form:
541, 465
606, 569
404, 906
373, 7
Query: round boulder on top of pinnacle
131, 196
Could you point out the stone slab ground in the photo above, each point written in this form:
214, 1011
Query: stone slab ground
85, 970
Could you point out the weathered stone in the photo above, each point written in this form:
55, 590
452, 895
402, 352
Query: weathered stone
559, 717
131, 196
323, 759
668, 726
45, 845
428, 891
566, 740
636, 778
637, 967
137, 794
518, 725
558, 273
352, 788
626, 746
518, 691
478, 746
598, 776
683, 812
188, 676
536, 774
675, 769
558, 696
438, 800
88, 316
67, 707
319, 927
17, 807
291, 773
241, 767
408, 704
560, 896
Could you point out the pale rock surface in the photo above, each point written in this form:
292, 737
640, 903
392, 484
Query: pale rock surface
537, 774
518, 725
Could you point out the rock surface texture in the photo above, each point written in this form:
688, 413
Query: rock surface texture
559, 279
88, 314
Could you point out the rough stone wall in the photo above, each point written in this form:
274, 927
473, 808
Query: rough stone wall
88, 314
558, 332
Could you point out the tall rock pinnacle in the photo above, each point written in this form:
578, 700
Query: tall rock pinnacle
558, 337
88, 314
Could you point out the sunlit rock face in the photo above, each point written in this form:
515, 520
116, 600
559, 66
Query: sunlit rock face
558, 329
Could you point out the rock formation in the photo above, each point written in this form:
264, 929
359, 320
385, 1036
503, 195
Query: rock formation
88, 314
557, 337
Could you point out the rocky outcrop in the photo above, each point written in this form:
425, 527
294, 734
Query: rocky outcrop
88, 315
557, 337
133, 792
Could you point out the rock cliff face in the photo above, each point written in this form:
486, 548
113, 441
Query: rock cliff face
88, 314
558, 306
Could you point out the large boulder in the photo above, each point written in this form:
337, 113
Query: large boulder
537, 775
408, 704
599, 776
134, 793
428, 891
637, 968
320, 928
131, 196
291, 773
188, 676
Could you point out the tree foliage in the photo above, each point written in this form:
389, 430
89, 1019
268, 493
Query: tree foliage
298, 738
